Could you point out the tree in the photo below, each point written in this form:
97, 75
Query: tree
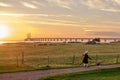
94, 41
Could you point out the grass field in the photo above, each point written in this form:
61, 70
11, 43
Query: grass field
101, 74
32, 56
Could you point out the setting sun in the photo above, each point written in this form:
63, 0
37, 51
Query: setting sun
4, 32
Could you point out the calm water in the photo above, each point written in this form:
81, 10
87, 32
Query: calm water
2, 42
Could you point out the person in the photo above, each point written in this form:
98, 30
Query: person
85, 59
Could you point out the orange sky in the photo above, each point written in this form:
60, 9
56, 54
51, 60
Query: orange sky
58, 18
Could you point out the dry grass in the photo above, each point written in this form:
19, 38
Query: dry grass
60, 54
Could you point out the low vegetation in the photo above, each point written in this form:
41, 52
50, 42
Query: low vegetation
33, 56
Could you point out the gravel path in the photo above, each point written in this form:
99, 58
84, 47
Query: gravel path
35, 75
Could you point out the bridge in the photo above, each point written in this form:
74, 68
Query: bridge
29, 38
70, 39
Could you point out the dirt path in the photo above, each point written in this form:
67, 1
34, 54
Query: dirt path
35, 75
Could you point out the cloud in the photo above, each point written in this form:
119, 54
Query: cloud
41, 4
111, 10
117, 1
94, 4
107, 34
29, 5
88, 30
58, 23
104, 5
33, 15
5, 4
22, 15
67, 4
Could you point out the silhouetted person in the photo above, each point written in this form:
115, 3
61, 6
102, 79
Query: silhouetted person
85, 59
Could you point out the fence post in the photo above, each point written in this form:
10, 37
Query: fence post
17, 61
73, 60
96, 58
48, 61
117, 59
22, 58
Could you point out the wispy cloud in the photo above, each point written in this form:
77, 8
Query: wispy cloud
5, 4
104, 5
98, 4
117, 1
88, 30
57, 23
41, 4
103, 34
62, 3
29, 5
107, 34
33, 15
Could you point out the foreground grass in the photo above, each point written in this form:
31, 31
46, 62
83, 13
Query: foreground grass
101, 74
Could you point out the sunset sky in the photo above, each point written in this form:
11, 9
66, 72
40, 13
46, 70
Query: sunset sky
59, 18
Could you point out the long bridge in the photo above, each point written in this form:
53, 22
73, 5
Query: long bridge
29, 38
70, 39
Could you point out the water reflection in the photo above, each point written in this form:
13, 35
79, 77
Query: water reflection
1, 42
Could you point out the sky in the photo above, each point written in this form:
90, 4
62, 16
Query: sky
59, 18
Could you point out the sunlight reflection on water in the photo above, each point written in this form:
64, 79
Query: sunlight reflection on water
1, 42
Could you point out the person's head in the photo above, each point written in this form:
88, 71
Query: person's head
86, 52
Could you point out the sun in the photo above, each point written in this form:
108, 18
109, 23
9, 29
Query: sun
4, 31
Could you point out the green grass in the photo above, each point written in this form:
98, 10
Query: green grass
60, 54
101, 74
